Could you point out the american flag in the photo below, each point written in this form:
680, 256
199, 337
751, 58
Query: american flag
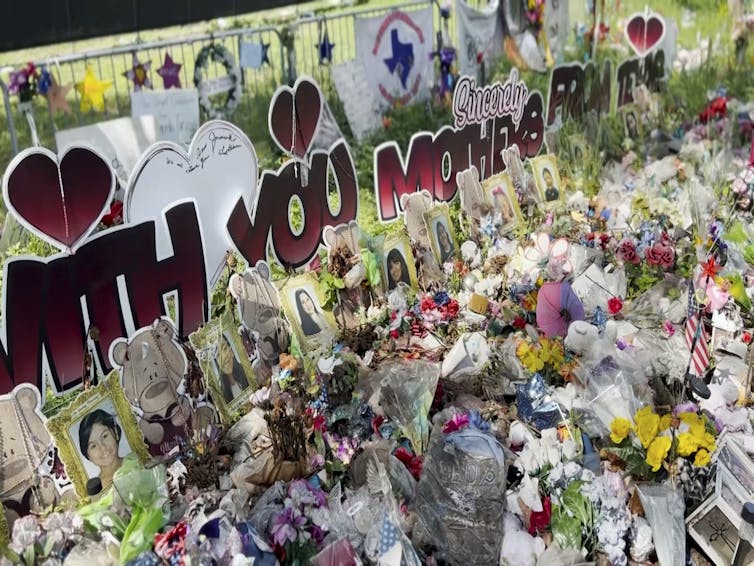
696, 336
389, 547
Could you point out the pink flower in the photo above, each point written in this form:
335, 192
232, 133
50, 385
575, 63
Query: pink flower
458, 421
660, 254
627, 252
668, 328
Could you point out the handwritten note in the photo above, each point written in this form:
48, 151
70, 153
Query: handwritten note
176, 112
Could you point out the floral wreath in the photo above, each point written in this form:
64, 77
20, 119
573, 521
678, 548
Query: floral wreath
219, 54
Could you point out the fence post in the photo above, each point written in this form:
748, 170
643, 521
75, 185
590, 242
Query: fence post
9, 117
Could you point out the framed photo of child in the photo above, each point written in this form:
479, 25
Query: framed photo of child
442, 238
501, 196
547, 179
302, 303
631, 123
95, 434
398, 263
225, 363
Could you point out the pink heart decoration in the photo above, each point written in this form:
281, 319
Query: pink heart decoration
298, 108
59, 199
645, 32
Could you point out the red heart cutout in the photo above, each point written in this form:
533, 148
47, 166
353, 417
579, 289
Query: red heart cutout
300, 106
60, 200
644, 32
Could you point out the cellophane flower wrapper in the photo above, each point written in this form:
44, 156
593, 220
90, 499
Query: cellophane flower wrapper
664, 509
145, 493
406, 394
461, 495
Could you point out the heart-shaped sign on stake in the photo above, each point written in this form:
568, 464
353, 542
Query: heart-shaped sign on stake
59, 199
295, 115
645, 31
220, 167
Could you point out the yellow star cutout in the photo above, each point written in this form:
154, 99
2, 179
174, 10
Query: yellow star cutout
92, 91
56, 97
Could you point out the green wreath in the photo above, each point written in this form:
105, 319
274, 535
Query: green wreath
219, 54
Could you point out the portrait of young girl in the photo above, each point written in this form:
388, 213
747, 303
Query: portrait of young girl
103, 447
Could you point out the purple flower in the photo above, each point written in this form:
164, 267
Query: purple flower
286, 526
441, 298
457, 422
317, 534
688, 407
476, 421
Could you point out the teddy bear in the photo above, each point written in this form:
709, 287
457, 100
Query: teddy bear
27, 455
471, 192
263, 326
584, 337
152, 366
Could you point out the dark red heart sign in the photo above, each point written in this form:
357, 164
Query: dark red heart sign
294, 117
62, 200
645, 32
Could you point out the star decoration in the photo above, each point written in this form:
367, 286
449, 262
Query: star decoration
170, 73
325, 49
56, 96
139, 74
92, 91
402, 59
710, 268
265, 55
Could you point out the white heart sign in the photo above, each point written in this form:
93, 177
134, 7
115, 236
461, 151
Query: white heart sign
221, 166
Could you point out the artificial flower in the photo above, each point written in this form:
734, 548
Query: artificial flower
539, 521
660, 254
627, 252
619, 429
647, 425
658, 450
687, 444
702, 458
287, 526
614, 305
413, 462
457, 422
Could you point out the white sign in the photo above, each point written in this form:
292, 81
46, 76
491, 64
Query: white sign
176, 111
120, 141
217, 85
479, 32
396, 49
353, 89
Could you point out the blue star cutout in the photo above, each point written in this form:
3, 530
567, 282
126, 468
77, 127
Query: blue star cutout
325, 50
265, 55
402, 59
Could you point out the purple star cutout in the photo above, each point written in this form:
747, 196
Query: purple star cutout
170, 73
402, 59
325, 50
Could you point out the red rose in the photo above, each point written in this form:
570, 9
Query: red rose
411, 461
394, 333
540, 520
519, 322
428, 303
660, 254
614, 305
746, 337
627, 252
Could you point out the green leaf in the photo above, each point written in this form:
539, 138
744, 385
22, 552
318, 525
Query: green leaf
566, 530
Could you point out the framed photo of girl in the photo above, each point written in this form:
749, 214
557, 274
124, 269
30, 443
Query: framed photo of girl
225, 363
95, 434
501, 196
631, 124
442, 238
547, 179
302, 304
398, 263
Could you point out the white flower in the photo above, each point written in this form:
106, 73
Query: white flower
396, 300
327, 365
571, 470
375, 313
519, 434
550, 446
528, 492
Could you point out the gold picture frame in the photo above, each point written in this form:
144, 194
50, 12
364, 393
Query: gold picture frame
396, 250
501, 196
547, 179
64, 427
4, 530
439, 226
314, 326
221, 354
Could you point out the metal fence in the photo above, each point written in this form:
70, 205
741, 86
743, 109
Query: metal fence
292, 51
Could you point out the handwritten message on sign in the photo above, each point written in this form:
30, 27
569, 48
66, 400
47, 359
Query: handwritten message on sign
176, 112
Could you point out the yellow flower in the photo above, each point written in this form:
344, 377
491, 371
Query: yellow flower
687, 444
530, 357
647, 425
619, 429
665, 421
657, 451
702, 458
